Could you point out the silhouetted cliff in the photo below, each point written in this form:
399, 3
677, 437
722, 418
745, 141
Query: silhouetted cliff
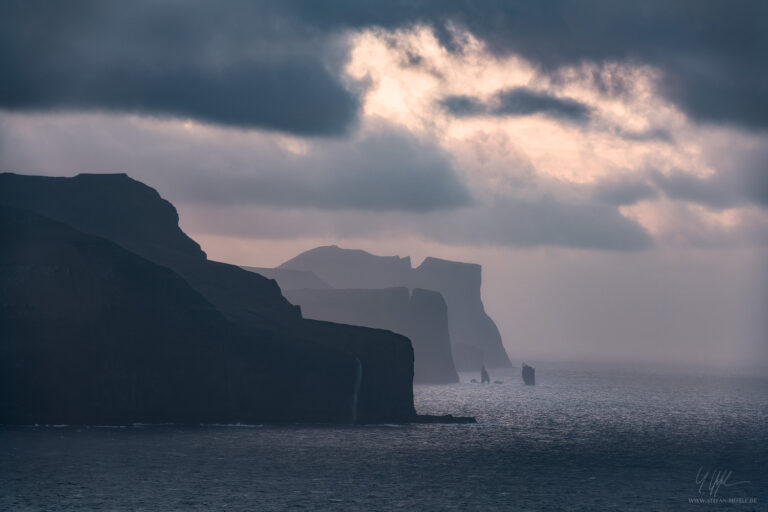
469, 324
136, 218
291, 279
421, 315
352, 268
474, 335
92, 333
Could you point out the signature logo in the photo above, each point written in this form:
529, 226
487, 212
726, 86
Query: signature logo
711, 481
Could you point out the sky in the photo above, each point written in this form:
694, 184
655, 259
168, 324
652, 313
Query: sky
604, 161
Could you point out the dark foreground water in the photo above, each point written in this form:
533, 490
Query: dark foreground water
599, 439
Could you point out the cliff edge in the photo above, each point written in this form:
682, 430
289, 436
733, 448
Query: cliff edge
421, 315
259, 322
475, 339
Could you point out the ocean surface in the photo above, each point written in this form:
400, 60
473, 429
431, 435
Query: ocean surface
583, 438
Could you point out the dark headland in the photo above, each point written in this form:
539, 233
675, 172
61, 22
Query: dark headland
111, 314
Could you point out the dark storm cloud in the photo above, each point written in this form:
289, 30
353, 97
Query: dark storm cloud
654, 134
711, 54
521, 101
275, 64
550, 221
747, 184
623, 191
383, 171
518, 101
382, 182
755, 177
241, 64
713, 192
464, 106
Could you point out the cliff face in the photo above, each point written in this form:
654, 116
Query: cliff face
269, 329
469, 324
420, 315
352, 268
135, 217
385, 375
434, 346
131, 213
474, 336
92, 333
291, 279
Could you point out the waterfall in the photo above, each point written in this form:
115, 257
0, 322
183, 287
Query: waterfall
356, 388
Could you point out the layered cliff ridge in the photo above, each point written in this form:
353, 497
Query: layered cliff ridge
470, 326
475, 339
92, 333
291, 279
352, 268
420, 314
135, 217
283, 367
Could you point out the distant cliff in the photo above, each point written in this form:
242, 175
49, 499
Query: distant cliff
421, 315
302, 370
469, 324
474, 336
291, 279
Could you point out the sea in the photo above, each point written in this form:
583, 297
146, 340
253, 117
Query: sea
583, 438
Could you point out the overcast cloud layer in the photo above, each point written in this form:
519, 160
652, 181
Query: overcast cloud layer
239, 64
410, 187
275, 64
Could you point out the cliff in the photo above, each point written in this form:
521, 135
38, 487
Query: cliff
469, 324
474, 336
352, 268
135, 217
384, 391
271, 338
421, 315
291, 279
91, 333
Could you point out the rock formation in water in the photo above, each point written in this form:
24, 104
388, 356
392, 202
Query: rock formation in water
264, 361
529, 375
419, 314
474, 336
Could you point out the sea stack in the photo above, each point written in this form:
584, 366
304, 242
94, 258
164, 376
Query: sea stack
529, 375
